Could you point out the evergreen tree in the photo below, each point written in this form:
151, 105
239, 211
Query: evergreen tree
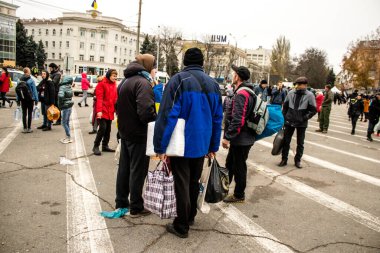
146, 46
21, 41
153, 51
30, 53
172, 62
41, 57
331, 77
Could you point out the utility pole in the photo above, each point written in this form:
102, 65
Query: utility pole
158, 47
138, 29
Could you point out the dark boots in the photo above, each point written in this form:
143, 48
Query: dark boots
96, 150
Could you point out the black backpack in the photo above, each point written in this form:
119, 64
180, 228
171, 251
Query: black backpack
23, 92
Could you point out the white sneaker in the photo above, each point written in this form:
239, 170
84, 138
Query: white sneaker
66, 140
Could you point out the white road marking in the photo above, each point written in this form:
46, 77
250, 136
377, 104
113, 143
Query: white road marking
333, 125
332, 166
341, 140
324, 199
10, 137
341, 151
247, 226
83, 207
344, 133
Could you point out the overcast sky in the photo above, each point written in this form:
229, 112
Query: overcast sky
326, 24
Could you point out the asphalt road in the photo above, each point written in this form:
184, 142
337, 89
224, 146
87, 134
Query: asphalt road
331, 205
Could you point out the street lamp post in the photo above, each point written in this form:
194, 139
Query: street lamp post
138, 29
158, 47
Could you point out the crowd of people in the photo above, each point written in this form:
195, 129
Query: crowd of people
195, 97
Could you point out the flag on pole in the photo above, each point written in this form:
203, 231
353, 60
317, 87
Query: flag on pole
94, 5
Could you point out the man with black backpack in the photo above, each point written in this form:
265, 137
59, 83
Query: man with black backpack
237, 133
299, 107
26, 93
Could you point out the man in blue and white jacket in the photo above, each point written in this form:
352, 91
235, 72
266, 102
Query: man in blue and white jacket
195, 97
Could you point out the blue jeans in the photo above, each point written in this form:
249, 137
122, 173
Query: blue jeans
44, 109
65, 120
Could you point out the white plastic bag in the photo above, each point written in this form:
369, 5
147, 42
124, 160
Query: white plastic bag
176, 145
203, 182
17, 114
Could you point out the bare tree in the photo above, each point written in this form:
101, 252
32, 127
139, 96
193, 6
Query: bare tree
169, 38
280, 58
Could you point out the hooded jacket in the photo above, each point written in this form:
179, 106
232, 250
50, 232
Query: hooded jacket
356, 107
106, 97
4, 87
46, 91
299, 107
319, 100
85, 83
195, 97
374, 110
236, 129
135, 105
65, 93
56, 78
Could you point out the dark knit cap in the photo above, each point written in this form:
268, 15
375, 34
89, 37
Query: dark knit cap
264, 82
193, 56
53, 65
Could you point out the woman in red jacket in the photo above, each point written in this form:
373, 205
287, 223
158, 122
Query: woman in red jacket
106, 97
319, 100
4, 86
85, 85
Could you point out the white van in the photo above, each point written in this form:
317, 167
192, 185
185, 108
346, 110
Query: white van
162, 76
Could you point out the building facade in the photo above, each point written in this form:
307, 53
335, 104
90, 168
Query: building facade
8, 21
260, 56
85, 42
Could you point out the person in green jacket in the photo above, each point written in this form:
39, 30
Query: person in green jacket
65, 103
326, 109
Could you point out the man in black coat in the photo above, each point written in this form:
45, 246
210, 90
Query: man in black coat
55, 76
373, 115
46, 94
135, 109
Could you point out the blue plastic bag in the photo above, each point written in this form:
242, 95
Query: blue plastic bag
275, 122
118, 213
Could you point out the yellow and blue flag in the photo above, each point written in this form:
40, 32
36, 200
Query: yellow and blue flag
94, 5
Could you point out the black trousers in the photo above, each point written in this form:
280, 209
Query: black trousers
104, 132
27, 110
288, 134
186, 173
4, 98
354, 120
236, 163
133, 168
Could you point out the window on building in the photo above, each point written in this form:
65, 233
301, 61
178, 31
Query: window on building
114, 60
91, 58
103, 35
47, 31
39, 31
60, 32
54, 32
125, 51
53, 55
60, 56
32, 31
81, 45
101, 59
67, 44
46, 44
26, 31
115, 49
130, 52
125, 61
60, 44
53, 43
82, 33
68, 31
81, 57
92, 34
102, 47
92, 46
116, 37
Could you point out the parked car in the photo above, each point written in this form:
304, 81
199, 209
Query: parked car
15, 77
77, 86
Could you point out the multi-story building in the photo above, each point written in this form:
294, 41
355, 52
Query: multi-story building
8, 21
218, 57
260, 56
85, 42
